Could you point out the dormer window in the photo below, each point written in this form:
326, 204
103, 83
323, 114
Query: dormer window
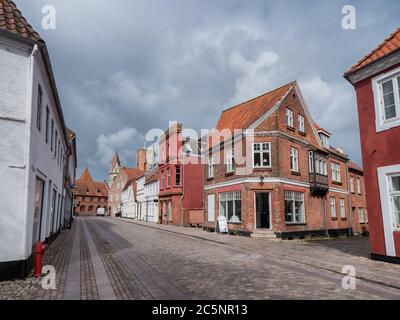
324, 139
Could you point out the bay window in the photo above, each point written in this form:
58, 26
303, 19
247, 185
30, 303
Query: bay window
294, 207
262, 155
230, 206
311, 161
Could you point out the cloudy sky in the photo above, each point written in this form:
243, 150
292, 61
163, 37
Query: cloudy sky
124, 67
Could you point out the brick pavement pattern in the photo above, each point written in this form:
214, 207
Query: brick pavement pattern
107, 259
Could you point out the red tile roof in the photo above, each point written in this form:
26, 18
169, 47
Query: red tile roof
319, 128
11, 20
152, 176
246, 113
85, 185
388, 46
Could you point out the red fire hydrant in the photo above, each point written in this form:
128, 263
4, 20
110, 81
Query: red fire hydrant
39, 251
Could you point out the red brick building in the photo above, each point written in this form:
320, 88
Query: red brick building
181, 178
271, 170
376, 79
89, 195
358, 199
124, 177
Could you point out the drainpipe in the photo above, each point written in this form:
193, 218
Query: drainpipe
324, 212
351, 230
29, 105
183, 190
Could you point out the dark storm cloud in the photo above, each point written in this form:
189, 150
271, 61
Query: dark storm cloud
124, 67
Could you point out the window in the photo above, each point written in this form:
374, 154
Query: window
39, 109
361, 215
352, 184
359, 185
342, 209
162, 180
262, 155
55, 145
311, 161
387, 100
294, 160
230, 206
177, 175
394, 194
229, 161
210, 167
52, 135
289, 117
366, 215
301, 123
321, 165
168, 178
325, 140
333, 208
294, 207
47, 124
335, 172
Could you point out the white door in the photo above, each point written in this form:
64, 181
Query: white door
210, 207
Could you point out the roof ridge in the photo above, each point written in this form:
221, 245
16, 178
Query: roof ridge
358, 64
261, 95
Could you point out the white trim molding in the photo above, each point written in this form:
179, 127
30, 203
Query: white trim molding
387, 216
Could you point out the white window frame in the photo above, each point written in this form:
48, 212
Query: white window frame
230, 197
295, 197
359, 186
162, 179
381, 123
333, 207
169, 178
294, 160
361, 216
352, 189
336, 174
301, 123
229, 161
324, 140
262, 152
210, 167
289, 115
389, 225
311, 160
342, 208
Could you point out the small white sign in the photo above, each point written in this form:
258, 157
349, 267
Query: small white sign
222, 224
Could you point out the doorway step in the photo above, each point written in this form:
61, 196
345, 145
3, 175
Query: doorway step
263, 234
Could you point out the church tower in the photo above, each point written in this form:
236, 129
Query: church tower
114, 169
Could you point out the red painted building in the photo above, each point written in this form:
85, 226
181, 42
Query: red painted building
376, 79
180, 178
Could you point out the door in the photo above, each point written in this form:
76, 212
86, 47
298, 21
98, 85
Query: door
38, 210
263, 217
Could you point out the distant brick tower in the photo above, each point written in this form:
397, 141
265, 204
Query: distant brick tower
141, 159
114, 169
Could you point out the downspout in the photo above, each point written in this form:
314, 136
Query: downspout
351, 230
324, 199
29, 104
183, 190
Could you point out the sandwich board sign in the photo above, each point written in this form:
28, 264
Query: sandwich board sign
222, 224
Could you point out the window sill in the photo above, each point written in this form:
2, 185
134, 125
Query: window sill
302, 133
337, 183
229, 174
291, 128
295, 223
296, 173
343, 219
210, 179
235, 223
262, 168
334, 219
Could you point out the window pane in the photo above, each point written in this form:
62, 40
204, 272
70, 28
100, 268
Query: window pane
388, 99
387, 87
298, 211
289, 210
237, 217
396, 202
230, 209
395, 184
257, 147
266, 159
257, 160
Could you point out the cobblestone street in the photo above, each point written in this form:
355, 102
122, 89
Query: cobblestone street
103, 258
